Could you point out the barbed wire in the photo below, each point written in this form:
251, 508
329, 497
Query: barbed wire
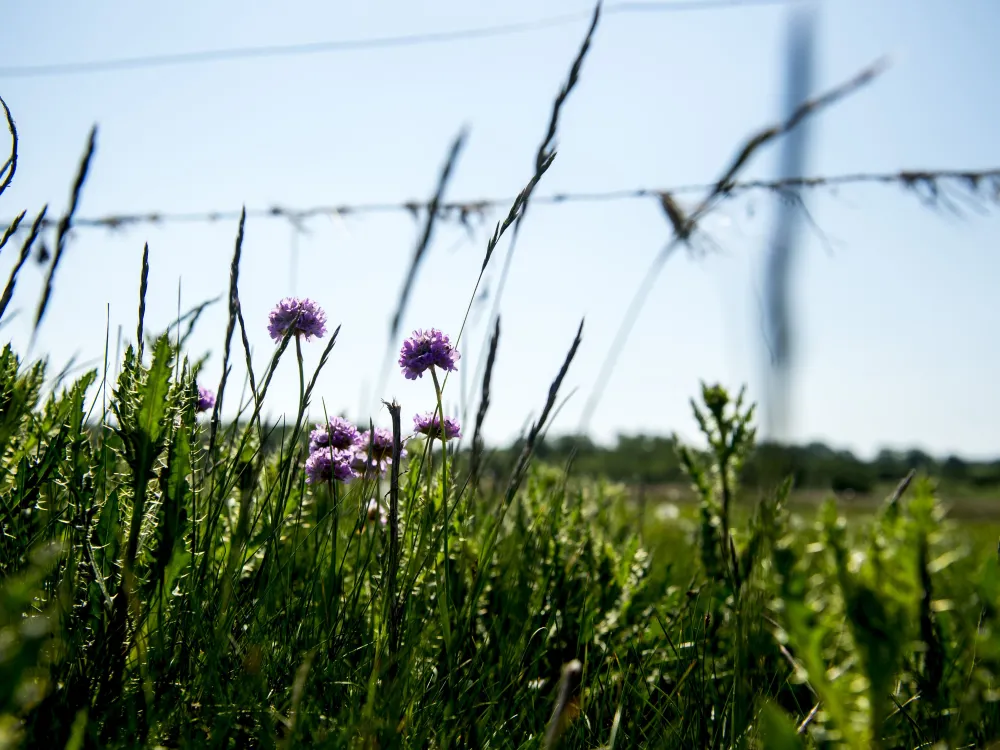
932, 186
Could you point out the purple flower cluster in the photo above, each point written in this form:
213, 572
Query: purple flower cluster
329, 463
426, 349
339, 451
373, 454
302, 317
430, 425
339, 434
206, 399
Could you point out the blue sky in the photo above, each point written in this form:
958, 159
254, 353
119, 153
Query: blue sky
898, 318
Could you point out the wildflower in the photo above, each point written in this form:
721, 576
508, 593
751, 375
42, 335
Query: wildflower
380, 447
206, 399
339, 434
426, 349
302, 316
430, 425
329, 463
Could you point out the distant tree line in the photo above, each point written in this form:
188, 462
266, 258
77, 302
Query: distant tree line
643, 459
652, 460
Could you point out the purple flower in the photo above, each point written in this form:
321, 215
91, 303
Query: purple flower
340, 434
425, 349
380, 447
302, 316
329, 463
430, 425
206, 399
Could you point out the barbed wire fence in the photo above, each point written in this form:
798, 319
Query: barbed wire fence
954, 190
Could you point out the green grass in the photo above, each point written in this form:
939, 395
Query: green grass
162, 592
962, 503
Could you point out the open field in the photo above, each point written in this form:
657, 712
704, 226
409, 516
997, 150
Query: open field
978, 507
162, 588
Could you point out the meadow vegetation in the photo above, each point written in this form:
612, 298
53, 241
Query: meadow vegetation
167, 584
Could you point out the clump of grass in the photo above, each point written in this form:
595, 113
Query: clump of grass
159, 594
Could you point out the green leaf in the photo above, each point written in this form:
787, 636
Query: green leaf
18, 394
172, 514
777, 732
150, 422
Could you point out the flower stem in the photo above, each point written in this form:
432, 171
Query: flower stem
302, 375
444, 485
333, 582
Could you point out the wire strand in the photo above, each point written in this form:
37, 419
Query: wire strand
928, 181
371, 43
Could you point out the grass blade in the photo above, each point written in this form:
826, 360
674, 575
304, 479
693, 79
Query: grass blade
65, 224
234, 306
8, 291
10, 165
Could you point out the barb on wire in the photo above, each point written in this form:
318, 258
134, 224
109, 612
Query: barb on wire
931, 186
686, 225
